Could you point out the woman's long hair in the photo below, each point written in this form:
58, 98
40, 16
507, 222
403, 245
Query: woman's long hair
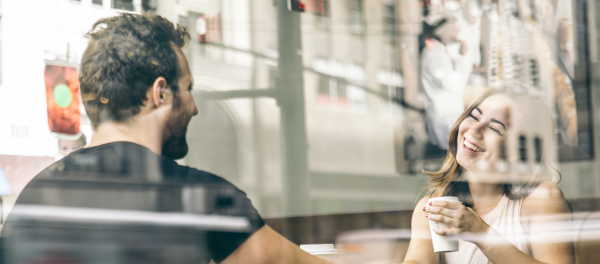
445, 181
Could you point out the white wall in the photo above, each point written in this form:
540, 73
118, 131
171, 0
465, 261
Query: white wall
30, 27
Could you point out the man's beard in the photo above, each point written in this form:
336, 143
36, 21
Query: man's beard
176, 147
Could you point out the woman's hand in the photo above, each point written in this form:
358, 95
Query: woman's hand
459, 218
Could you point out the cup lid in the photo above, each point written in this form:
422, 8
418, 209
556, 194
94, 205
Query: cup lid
445, 198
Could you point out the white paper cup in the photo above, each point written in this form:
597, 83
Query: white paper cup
325, 251
442, 243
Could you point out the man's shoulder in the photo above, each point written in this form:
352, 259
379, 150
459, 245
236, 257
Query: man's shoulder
126, 161
196, 176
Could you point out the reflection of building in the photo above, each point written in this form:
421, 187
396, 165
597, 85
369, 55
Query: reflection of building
537, 54
580, 176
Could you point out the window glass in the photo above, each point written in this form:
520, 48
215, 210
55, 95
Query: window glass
352, 129
356, 16
123, 4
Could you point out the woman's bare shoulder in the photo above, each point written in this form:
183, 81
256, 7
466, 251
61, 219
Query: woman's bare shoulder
545, 198
422, 202
418, 217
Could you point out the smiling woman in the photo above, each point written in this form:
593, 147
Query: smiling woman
478, 145
481, 135
477, 139
499, 218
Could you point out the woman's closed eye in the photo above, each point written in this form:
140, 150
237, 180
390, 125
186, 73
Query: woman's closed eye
473, 117
496, 130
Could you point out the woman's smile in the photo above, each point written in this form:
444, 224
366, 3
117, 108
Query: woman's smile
471, 147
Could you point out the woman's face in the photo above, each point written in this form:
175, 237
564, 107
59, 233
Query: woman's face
482, 133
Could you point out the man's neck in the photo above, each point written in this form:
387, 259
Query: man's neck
136, 131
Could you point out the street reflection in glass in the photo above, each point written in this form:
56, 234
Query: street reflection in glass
298, 131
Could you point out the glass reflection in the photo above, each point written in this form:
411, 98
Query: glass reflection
320, 118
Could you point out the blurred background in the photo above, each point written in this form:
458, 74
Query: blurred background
317, 109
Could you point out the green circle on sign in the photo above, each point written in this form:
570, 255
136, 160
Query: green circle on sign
62, 95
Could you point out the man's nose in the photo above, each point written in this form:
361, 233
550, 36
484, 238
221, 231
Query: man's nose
195, 110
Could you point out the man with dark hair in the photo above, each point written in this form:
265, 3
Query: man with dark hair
136, 86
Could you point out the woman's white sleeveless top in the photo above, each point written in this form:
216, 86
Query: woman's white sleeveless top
506, 219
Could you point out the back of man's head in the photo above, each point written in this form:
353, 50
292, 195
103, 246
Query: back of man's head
125, 55
446, 28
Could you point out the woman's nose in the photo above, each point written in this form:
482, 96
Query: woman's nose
476, 130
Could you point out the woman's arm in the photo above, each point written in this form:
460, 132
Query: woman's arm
497, 248
464, 221
500, 250
544, 210
544, 207
420, 249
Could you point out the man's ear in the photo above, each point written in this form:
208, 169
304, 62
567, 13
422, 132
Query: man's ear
160, 92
